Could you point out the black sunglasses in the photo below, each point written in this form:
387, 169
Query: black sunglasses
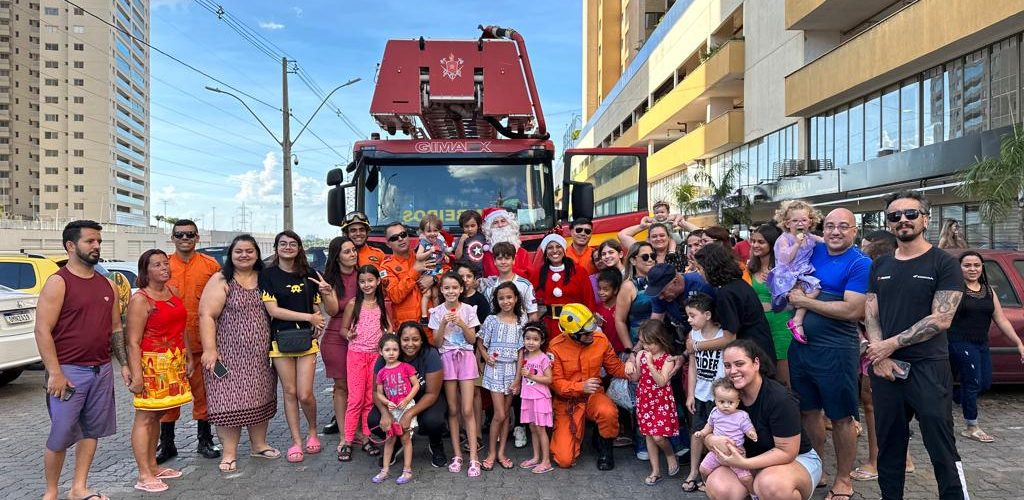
583, 230
910, 214
185, 235
398, 236
646, 257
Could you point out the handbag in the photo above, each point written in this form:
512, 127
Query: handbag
295, 340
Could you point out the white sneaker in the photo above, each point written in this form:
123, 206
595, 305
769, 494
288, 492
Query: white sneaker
519, 433
642, 455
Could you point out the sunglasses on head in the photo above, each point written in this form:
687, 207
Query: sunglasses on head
185, 235
398, 236
910, 214
355, 217
584, 230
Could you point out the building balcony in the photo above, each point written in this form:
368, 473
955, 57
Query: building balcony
719, 135
628, 139
128, 200
719, 76
131, 219
622, 182
919, 36
830, 15
130, 184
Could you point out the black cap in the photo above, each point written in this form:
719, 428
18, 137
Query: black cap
659, 276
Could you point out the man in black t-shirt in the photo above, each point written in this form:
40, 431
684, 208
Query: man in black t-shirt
912, 297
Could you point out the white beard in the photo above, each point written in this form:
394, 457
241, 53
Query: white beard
509, 233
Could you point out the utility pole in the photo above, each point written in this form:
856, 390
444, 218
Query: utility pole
213, 221
286, 147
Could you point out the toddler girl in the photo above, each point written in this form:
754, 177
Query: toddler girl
454, 324
793, 266
501, 346
397, 384
472, 244
365, 320
430, 239
729, 421
536, 396
655, 404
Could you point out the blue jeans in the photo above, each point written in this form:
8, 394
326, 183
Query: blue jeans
974, 364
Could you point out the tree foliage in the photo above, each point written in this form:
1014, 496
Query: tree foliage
998, 182
703, 192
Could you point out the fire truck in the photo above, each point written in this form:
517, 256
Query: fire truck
471, 135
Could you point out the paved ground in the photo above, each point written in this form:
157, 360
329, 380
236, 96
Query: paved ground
994, 471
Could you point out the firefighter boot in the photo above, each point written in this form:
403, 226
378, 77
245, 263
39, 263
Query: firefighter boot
165, 449
204, 437
605, 459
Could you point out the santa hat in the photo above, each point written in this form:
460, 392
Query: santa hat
552, 238
495, 212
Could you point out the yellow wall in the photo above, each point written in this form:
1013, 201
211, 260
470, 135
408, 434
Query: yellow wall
720, 134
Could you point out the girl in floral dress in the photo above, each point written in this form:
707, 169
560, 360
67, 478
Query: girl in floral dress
655, 404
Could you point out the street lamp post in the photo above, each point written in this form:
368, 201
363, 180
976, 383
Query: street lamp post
286, 141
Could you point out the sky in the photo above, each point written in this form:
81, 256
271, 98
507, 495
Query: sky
209, 156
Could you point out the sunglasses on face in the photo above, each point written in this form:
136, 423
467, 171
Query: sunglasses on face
910, 214
646, 257
584, 230
398, 236
185, 235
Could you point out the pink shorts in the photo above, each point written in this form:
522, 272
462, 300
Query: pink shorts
459, 365
711, 463
537, 412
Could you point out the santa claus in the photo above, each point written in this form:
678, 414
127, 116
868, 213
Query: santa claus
500, 225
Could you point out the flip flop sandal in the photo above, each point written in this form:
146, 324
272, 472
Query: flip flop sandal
673, 472
228, 466
456, 465
155, 486
380, 477
978, 435
541, 469
652, 480
506, 463
474, 468
487, 465
295, 455
345, 453
313, 445
168, 473
862, 474
833, 495
269, 454
405, 477
100, 496
690, 485
528, 464
371, 449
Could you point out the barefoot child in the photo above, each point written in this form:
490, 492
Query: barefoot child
705, 367
729, 421
501, 348
655, 403
454, 325
536, 396
793, 260
432, 241
397, 384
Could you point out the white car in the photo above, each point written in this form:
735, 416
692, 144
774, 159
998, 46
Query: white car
129, 270
17, 333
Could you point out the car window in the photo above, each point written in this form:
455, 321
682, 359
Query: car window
1001, 284
17, 275
1019, 264
129, 275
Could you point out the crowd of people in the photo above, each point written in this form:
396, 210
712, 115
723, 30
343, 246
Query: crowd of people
743, 353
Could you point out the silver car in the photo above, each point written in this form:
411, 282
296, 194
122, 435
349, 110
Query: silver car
17, 333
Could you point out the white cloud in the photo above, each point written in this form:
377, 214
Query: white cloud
271, 25
260, 191
260, 186
298, 11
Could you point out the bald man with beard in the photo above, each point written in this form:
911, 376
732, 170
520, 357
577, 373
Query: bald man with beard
824, 372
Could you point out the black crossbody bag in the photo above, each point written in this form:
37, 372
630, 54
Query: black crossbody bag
295, 340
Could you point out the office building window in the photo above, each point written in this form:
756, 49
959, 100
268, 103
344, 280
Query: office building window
51, 64
79, 118
1005, 86
51, 46
78, 29
79, 46
79, 135
975, 92
910, 112
856, 146
51, 170
79, 100
50, 189
78, 171
79, 82
51, 118
79, 188
52, 11
51, 153
79, 64
841, 137
79, 206
51, 82
955, 99
79, 153
872, 126
51, 135
51, 99
935, 110
890, 119
49, 206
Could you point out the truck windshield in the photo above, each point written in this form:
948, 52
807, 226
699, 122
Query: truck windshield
405, 193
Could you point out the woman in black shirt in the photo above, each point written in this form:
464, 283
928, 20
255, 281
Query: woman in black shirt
782, 460
968, 341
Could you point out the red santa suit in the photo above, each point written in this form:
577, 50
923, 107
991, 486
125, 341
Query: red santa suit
556, 286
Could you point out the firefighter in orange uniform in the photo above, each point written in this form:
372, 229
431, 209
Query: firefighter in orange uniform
403, 284
357, 228
579, 354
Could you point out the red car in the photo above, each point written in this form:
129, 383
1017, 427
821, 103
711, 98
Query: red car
1005, 271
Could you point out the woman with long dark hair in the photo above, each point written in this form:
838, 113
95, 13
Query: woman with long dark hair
233, 326
560, 281
292, 294
340, 272
968, 340
762, 260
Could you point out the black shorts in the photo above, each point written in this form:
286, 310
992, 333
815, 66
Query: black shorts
702, 410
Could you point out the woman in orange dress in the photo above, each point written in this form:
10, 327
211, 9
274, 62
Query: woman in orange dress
158, 359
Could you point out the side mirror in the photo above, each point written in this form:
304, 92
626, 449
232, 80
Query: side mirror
372, 178
351, 167
335, 177
582, 200
336, 206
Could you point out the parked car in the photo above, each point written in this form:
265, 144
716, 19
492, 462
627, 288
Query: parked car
1005, 271
317, 257
25, 272
219, 253
127, 269
17, 333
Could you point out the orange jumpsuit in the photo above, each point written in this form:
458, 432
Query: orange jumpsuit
574, 363
400, 286
188, 279
371, 256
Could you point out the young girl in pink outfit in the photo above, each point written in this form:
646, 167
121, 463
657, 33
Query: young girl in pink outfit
397, 384
365, 320
536, 396
454, 324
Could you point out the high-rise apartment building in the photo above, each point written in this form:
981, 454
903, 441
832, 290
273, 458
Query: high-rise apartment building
74, 106
835, 101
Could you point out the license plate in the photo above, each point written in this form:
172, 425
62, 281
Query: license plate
18, 317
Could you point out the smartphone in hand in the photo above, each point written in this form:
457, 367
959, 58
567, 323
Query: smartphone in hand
219, 370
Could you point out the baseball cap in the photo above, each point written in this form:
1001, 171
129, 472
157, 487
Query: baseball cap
659, 276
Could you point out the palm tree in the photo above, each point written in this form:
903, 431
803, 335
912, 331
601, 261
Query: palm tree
720, 194
687, 195
998, 182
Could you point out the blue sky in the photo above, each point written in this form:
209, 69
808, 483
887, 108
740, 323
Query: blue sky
209, 155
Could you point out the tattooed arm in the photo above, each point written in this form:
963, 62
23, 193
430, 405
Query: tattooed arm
872, 327
944, 306
118, 347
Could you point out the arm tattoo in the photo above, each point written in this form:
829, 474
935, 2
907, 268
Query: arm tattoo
871, 323
118, 347
944, 307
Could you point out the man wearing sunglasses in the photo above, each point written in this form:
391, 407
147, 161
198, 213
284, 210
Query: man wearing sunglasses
404, 286
914, 294
669, 291
357, 228
579, 251
190, 270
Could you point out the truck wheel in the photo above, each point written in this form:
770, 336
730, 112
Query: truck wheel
8, 376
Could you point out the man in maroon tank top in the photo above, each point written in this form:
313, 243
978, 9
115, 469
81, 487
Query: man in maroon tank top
78, 328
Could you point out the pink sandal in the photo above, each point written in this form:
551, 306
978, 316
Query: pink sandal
456, 465
797, 335
295, 454
474, 468
313, 445
154, 486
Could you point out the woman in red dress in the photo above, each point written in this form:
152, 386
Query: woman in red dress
560, 281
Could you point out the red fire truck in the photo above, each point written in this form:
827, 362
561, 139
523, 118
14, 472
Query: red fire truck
473, 136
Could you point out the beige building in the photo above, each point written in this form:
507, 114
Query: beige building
834, 101
74, 106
